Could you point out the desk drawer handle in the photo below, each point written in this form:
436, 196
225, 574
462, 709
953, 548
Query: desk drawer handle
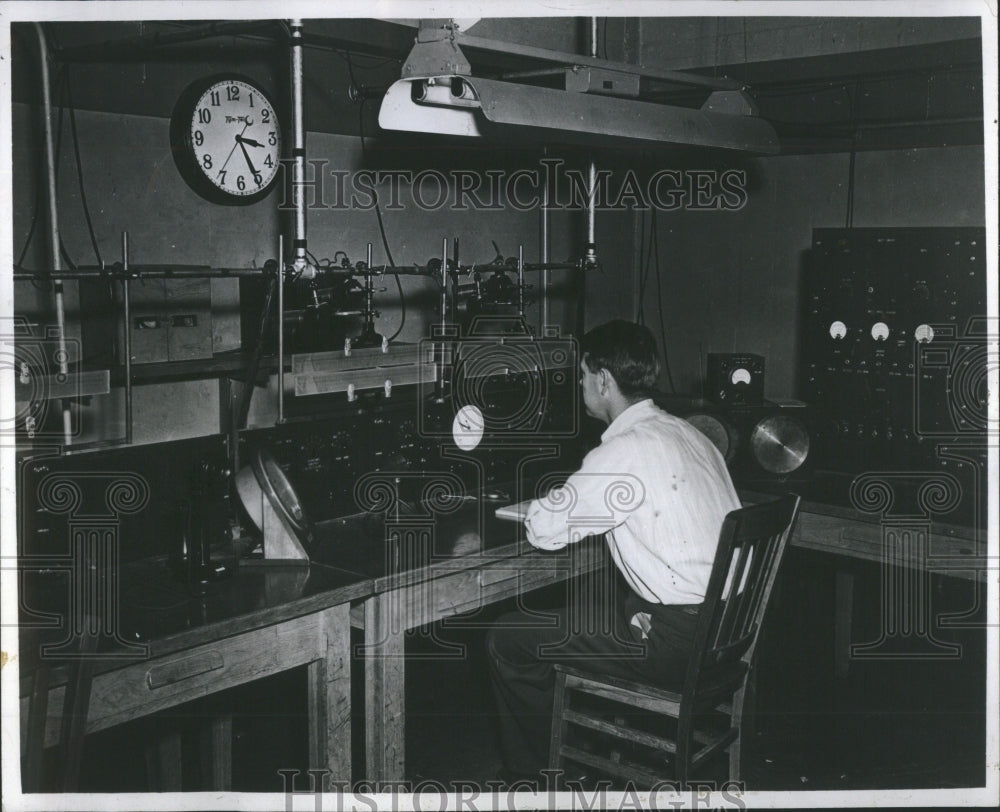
169, 673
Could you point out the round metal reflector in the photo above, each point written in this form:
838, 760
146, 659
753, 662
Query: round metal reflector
265, 475
780, 444
716, 430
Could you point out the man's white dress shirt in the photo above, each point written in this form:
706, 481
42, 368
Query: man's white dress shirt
659, 489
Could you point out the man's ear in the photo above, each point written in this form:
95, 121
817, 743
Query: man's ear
606, 381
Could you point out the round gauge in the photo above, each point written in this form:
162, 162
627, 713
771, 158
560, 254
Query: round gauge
715, 430
924, 333
740, 375
880, 331
467, 427
838, 330
226, 139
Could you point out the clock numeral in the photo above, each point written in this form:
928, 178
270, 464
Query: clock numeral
257, 178
204, 116
222, 177
251, 99
206, 160
268, 162
265, 115
215, 98
232, 93
272, 138
240, 183
199, 138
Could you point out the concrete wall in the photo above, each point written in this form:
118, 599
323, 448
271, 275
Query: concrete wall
730, 280
132, 185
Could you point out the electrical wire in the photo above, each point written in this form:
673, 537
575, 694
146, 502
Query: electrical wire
378, 207
659, 301
57, 160
39, 185
79, 169
855, 109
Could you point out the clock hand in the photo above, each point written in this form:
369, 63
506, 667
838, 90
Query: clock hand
249, 141
239, 135
247, 156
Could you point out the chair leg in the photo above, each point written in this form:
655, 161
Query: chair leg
682, 758
742, 720
558, 725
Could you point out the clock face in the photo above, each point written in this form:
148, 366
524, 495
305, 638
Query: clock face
227, 140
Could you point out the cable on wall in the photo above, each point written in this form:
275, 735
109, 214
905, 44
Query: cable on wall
378, 208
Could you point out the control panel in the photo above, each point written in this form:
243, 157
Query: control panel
490, 440
894, 346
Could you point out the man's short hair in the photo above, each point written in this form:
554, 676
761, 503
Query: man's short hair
626, 350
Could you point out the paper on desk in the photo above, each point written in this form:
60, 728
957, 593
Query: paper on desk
516, 512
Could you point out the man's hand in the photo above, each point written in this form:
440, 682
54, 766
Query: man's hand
534, 517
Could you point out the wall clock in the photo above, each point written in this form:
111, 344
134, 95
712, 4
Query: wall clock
226, 139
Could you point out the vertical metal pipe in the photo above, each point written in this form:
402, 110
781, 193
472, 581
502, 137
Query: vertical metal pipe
443, 346
369, 326
444, 285
281, 330
520, 283
298, 146
590, 249
454, 278
54, 241
591, 210
544, 281
127, 340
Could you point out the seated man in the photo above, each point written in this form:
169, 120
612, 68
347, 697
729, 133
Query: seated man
659, 490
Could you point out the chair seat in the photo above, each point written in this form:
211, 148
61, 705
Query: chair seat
656, 699
648, 697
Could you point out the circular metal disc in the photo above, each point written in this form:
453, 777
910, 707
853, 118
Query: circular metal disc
280, 493
716, 431
780, 444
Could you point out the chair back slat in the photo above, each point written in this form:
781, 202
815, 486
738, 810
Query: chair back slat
751, 545
751, 603
735, 582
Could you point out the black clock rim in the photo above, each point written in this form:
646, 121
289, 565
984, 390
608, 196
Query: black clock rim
183, 150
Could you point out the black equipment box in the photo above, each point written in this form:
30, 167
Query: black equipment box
735, 379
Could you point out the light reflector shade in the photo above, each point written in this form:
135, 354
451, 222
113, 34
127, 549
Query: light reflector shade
475, 107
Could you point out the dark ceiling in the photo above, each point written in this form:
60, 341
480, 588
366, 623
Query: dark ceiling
927, 94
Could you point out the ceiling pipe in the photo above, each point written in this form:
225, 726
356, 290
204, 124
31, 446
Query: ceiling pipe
141, 44
466, 41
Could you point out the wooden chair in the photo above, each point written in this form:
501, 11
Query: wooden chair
751, 545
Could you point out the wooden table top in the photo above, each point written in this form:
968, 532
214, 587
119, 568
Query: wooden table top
156, 609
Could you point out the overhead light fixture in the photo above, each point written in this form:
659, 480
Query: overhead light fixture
599, 103
482, 108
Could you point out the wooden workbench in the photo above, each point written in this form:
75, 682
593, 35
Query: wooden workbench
465, 566
174, 647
